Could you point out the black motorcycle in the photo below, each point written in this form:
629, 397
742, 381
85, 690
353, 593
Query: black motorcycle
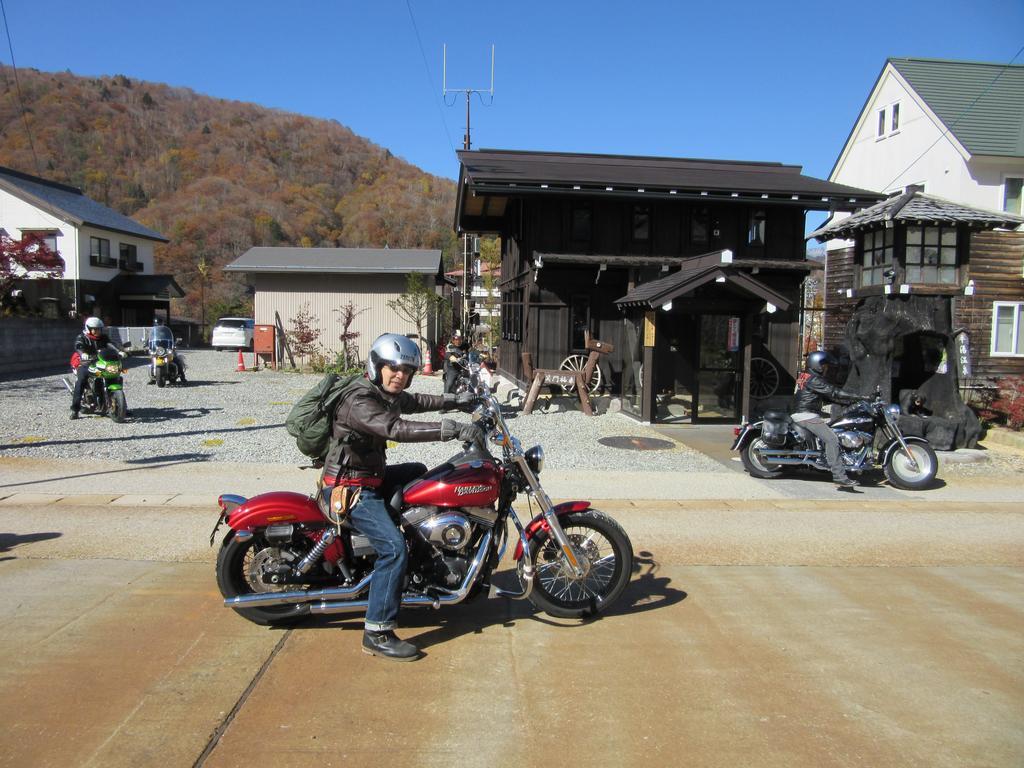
473, 373
869, 437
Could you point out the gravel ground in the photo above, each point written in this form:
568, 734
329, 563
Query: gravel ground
232, 416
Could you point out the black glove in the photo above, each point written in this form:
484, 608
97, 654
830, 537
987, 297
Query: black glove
467, 433
463, 401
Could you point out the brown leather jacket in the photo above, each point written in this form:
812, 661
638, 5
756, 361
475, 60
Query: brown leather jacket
366, 419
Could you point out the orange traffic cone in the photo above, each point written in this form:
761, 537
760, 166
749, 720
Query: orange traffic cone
241, 362
428, 369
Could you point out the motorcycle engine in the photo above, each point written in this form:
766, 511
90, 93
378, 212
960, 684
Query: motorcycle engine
444, 536
852, 440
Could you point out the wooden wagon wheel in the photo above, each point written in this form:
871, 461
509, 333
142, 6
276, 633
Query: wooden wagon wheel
578, 363
764, 378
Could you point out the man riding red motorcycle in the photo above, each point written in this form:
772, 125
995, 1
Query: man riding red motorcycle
369, 416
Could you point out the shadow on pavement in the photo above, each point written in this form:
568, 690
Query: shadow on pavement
645, 592
9, 541
145, 464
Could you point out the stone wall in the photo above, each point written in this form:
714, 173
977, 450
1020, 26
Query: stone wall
33, 344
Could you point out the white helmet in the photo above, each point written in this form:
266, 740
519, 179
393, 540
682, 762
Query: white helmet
93, 327
395, 350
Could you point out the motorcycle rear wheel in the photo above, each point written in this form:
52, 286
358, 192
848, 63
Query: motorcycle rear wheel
604, 550
118, 407
235, 563
900, 473
755, 465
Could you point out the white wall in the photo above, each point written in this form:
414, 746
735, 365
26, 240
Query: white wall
16, 214
72, 243
144, 253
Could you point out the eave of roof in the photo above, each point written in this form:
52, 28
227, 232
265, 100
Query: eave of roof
916, 207
508, 173
337, 260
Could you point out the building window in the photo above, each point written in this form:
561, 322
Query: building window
699, 219
47, 237
1008, 328
895, 124
881, 123
756, 230
581, 225
877, 249
579, 321
99, 252
931, 255
512, 314
1012, 196
129, 258
641, 230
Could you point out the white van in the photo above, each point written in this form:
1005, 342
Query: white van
233, 333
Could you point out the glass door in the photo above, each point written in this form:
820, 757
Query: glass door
720, 369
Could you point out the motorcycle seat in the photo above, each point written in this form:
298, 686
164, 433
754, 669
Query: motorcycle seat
776, 416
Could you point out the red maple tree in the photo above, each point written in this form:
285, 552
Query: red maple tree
22, 258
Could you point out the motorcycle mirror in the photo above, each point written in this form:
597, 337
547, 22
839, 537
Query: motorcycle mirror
126, 345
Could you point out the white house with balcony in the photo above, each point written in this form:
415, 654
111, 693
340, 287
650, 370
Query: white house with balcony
108, 257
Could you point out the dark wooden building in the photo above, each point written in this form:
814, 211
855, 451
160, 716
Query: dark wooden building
692, 269
927, 299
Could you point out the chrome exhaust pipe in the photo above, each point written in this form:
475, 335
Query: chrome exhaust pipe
417, 601
262, 599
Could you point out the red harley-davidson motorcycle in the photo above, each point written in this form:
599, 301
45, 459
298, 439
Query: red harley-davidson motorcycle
282, 559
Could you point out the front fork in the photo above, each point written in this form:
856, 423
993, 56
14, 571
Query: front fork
548, 510
895, 432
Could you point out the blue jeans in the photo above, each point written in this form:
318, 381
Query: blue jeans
370, 517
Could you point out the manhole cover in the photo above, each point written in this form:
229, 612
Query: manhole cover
637, 443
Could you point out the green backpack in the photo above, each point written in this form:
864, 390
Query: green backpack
311, 418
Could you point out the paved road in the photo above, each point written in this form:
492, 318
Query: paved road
843, 634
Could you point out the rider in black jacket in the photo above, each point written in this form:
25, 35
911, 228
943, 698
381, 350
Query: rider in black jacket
454, 354
813, 392
88, 344
368, 416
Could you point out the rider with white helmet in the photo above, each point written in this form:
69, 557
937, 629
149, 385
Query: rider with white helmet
88, 343
368, 416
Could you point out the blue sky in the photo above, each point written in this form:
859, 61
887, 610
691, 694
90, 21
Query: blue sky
780, 81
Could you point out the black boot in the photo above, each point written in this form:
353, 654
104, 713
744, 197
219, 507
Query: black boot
845, 482
388, 645
74, 414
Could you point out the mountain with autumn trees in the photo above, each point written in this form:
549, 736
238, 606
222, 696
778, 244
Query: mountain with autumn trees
217, 176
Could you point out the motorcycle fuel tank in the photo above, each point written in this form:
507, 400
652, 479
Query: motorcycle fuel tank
470, 484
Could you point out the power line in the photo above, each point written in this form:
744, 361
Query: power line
17, 85
955, 122
430, 79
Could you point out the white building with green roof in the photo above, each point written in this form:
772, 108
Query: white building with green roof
954, 129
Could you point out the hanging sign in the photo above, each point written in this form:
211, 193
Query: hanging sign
733, 340
963, 354
648, 329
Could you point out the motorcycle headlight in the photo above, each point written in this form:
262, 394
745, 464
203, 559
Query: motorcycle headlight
535, 459
893, 409
161, 351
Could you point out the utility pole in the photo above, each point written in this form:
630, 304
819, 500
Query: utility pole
466, 144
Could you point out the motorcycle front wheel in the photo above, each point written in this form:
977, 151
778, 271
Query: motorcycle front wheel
239, 564
118, 407
901, 473
161, 379
603, 550
754, 464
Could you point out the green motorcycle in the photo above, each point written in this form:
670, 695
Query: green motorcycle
103, 392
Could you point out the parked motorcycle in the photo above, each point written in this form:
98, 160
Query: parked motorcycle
166, 366
103, 392
473, 374
869, 437
282, 560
